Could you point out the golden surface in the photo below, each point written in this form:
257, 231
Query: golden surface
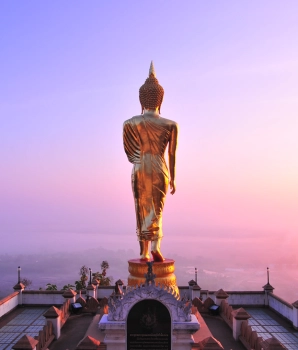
161, 269
164, 272
145, 140
169, 281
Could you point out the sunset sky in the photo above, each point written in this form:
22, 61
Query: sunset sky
70, 73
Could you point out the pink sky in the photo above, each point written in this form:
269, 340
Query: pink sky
70, 77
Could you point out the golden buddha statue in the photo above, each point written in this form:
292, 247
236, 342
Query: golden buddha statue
145, 139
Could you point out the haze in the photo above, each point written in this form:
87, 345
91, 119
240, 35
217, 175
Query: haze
70, 74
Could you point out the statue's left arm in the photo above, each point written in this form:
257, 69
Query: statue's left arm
131, 142
172, 155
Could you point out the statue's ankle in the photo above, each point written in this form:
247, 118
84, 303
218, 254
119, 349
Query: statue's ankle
145, 257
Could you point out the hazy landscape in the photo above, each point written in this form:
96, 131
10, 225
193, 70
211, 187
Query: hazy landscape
70, 78
232, 261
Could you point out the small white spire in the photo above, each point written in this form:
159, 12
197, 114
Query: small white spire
151, 69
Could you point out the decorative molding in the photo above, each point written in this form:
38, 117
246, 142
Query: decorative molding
180, 309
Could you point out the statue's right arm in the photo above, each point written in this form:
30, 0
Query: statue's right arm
172, 156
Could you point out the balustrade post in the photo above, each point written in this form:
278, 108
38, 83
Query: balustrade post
239, 316
26, 343
220, 295
53, 315
70, 294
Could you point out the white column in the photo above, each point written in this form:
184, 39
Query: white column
182, 337
19, 287
115, 335
91, 290
56, 322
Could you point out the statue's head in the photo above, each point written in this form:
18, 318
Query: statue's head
151, 93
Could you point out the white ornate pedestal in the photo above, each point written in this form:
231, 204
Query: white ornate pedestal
183, 324
115, 335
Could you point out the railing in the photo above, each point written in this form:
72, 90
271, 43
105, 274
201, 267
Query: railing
281, 306
55, 321
252, 298
250, 338
203, 306
42, 297
45, 337
226, 313
9, 303
64, 312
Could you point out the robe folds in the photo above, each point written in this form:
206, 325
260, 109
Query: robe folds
145, 139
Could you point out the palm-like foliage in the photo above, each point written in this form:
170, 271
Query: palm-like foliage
51, 286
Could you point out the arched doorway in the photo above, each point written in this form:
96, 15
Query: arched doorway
148, 326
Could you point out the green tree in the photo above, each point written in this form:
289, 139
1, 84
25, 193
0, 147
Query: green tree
26, 282
67, 286
104, 266
101, 277
81, 283
51, 286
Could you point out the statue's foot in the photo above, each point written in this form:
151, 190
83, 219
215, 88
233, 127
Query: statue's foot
145, 257
157, 256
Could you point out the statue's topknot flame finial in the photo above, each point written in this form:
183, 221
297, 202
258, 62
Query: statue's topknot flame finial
152, 70
151, 93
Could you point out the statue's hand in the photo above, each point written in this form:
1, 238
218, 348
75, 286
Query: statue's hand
172, 186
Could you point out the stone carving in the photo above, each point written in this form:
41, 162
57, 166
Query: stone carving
180, 309
150, 276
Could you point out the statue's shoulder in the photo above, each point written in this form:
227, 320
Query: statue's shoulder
170, 122
134, 119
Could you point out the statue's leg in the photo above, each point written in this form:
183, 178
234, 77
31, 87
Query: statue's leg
144, 250
155, 250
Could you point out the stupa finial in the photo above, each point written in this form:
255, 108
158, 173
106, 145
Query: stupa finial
151, 69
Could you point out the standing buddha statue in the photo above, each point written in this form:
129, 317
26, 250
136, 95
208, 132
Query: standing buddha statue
145, 139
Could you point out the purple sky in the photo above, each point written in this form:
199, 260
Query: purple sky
70, 74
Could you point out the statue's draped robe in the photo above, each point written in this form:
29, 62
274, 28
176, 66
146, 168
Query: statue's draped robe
145, 139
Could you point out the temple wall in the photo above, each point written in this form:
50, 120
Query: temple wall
42, 297
281, 306
9, 303
236, 298
246, 298
253, 298
105, 291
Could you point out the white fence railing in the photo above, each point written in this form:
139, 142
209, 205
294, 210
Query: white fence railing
9, 303
42, 297
281, 306
247, 298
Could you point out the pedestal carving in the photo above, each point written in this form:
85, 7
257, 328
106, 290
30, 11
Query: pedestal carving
179, 309
164, 272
